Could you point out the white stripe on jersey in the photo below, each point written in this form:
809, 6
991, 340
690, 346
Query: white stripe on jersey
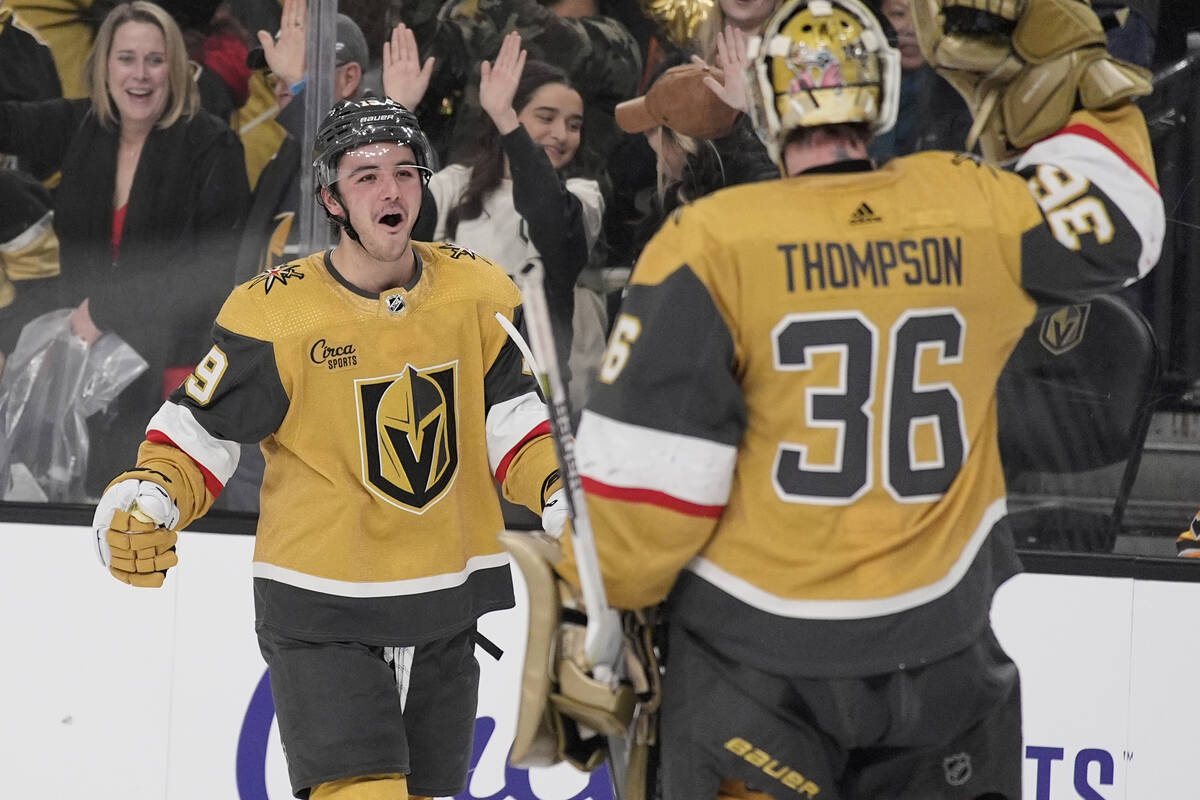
1126, 188
410, 586
177, 423
510, 422
630, 456
851, 609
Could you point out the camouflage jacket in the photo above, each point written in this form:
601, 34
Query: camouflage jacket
597, 52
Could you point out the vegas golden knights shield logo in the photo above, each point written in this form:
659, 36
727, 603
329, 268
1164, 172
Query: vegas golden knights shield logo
409, 435
1063, 330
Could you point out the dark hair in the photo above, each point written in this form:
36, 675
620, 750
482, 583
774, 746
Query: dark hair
487, 158
856, 133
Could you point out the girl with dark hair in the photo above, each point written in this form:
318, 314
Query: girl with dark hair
520, 195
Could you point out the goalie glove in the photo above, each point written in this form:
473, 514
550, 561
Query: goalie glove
1187, 544
134, 530
1023, 66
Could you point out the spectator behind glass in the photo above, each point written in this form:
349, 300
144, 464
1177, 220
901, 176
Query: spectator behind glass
932, 115
27, 72
701, 144
1130, 25
747, 16
632, 171
599, 55
218, 44
514, 200
271, 228
148, 211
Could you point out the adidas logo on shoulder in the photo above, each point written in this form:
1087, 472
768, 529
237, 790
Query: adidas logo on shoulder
864, 213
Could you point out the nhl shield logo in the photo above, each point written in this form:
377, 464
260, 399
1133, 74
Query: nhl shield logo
395, 303
1063, 330
408, 430
957, 768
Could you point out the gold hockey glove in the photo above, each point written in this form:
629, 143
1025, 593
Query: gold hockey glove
1023, 66
1187, 544
134, 530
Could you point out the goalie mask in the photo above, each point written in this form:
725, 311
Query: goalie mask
821, 62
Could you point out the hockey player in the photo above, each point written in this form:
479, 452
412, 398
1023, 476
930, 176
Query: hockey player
793, 438
386, 397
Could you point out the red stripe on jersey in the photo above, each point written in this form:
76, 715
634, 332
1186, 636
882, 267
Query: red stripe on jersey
211, 482
539, 430
651, 496
1096, 136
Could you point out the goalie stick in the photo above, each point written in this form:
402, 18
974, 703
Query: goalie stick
604, 637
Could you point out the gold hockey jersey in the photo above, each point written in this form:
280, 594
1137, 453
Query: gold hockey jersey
794, 433
384, 422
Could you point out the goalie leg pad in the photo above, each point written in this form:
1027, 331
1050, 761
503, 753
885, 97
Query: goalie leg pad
564, 714
536, 743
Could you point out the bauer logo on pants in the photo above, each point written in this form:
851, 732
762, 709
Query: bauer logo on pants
408, 431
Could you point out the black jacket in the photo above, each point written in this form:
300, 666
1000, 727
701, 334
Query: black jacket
182, 228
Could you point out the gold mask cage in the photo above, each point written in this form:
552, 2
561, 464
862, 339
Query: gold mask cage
822, 62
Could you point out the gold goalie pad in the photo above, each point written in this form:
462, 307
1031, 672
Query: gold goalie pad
564, 714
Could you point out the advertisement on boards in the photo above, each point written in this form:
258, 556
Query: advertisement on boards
122, 693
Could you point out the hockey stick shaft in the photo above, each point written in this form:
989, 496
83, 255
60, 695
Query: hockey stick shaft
604, 638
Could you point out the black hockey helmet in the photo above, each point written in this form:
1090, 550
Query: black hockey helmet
353, 123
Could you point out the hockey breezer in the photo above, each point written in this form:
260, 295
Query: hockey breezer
590, 679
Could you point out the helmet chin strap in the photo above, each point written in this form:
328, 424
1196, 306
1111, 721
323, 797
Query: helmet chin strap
341, 222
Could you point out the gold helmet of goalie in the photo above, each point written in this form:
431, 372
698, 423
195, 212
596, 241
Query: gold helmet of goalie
821, 62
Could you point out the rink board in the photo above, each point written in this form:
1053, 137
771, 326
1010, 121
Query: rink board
148, 694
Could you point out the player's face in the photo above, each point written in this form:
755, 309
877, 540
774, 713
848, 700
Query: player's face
899, 13
554, 117
137, 72
748, 15
380, 191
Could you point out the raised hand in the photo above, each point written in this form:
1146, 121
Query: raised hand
731, 57
498, 83
405, 78
286, 54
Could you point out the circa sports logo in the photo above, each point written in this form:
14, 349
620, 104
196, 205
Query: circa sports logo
333, 356
408, 435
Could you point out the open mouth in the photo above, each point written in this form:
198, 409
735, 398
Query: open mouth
391, 220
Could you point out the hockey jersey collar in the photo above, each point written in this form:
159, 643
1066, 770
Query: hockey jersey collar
418, 270
849, 165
